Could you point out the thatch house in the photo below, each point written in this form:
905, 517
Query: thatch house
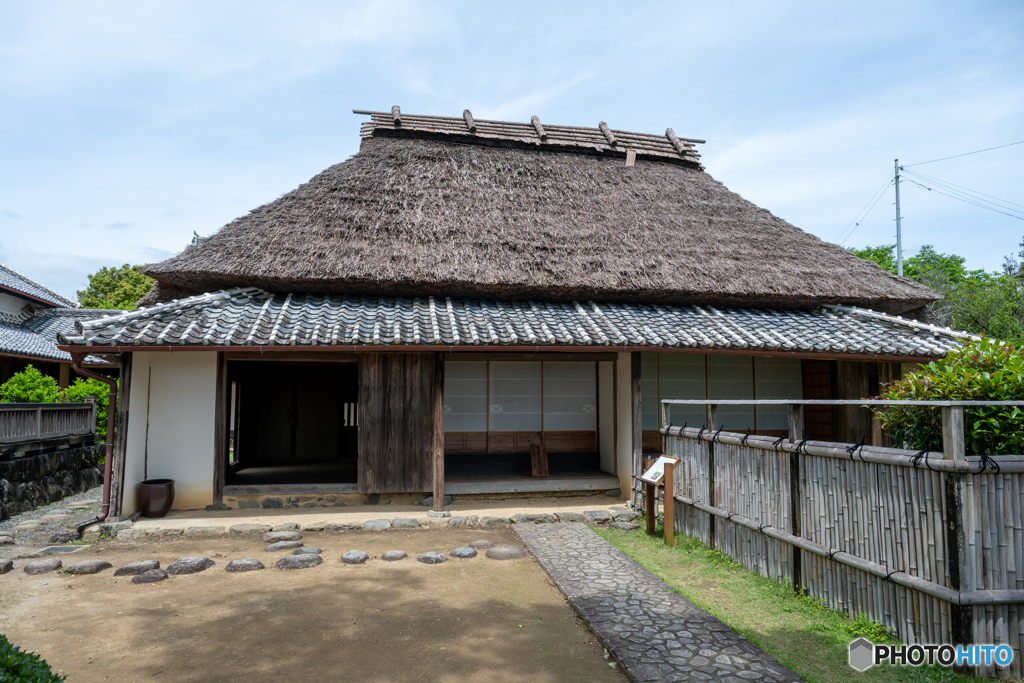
420, 316
31, 316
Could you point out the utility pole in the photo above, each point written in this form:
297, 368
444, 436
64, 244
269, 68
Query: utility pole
899, 230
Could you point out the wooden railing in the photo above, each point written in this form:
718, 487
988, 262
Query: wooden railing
929, 544
38, 422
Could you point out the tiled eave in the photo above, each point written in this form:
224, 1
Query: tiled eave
250, 317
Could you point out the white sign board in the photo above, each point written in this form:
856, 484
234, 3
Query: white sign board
657, 471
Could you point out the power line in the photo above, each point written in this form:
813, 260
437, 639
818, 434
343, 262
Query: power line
966, 154
862, 214
968, 201
961, 187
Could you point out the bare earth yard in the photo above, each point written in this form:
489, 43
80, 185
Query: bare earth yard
463, 620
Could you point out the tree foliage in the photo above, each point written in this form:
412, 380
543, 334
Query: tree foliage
32, 386
115, 288
18, 666
987, 303
984, 370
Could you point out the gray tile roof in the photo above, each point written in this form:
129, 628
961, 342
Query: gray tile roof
252, 317
11, 279
36, 336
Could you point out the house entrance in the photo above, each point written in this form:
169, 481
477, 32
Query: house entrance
292, 423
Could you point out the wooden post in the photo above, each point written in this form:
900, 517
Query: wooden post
65, 376
538, 460
669, 513
796, 432
958, 552
651, 500
124, 387
712, 426
439, 432
637, 415
221, 431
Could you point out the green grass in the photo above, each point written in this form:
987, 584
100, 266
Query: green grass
802, 634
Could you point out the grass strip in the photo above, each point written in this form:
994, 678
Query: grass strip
802, 634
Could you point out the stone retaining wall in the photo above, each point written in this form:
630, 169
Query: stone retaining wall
29, 482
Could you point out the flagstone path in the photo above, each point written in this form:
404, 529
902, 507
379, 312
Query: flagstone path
654, 632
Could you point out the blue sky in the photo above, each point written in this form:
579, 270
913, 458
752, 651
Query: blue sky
126, 126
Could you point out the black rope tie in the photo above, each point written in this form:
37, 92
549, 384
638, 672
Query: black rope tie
777, 445
852, 450
988, 463
916, 460
832, 552
888, 577
700, 434
715, 437
762, 526
802, 447
743, 441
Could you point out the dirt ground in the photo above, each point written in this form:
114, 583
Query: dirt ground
463, 620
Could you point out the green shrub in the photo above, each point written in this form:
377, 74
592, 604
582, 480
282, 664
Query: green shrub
983, 370
24, 667
32, 386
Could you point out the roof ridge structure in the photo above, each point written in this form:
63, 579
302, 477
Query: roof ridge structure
470, 130
900, 320
55, 298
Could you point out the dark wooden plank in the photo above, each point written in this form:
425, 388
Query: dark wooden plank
438, 435
538, 460
221, 432
124, 388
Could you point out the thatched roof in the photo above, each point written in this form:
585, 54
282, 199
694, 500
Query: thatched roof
427, 209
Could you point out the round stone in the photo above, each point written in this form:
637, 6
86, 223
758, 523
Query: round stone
624, 526
152, 576
189, 565
246, 565
7, 540
481, 544
307, 550
289, 526
56, 518
432, 558
275, 536
136, 568
393, 555
299, 561
463, 553
283, 545
88, 567
58, 511
507, 552
43, 566
6, 566
64, 536
354, 557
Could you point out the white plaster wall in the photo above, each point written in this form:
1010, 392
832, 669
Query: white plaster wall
624, 447
13, 304
606, 414
171, 426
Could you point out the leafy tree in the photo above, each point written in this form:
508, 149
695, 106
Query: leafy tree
80, 388
115, 288
18, 666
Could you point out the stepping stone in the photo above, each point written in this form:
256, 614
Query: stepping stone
624, 515
463, 553
624, 526
299, 561
152, 576
80, 506
58, 511
246, 565
43, 566
283, 545
64, 536
27, 529
393, 555
494, 521
354, 557
189, 565
307, 550
507, 552
432, 558
598, 516
456, 521
275, 536
290, 526
481, 544
136, 568
249, 528
88, 567
406, 523
344, 526
572, 517
533, 518
6, 566
56, 518
379, 524
7, 540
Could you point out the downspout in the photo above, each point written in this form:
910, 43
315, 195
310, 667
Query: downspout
76, 363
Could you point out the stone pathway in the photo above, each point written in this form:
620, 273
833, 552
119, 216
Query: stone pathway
655, 633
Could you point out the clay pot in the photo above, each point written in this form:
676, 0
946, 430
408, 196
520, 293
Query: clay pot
156, 497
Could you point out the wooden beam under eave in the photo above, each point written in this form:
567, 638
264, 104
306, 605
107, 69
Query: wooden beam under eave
637, 406
439, 432
124, 387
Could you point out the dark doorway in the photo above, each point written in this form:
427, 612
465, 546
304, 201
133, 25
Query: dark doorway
293, 423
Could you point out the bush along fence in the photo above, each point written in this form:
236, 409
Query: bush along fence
928, 543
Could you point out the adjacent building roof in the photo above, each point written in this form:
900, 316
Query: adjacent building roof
253, 317
17, 283
501, 211
36, 335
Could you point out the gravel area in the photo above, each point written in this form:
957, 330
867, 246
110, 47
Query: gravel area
49, 528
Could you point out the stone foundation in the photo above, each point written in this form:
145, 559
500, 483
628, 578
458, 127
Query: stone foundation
31, 481
329, 500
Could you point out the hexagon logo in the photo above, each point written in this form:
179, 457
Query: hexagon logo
861, 654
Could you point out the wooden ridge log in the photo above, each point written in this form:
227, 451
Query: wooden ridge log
470, 123
396, 116
608, 133
541, 133
671, 135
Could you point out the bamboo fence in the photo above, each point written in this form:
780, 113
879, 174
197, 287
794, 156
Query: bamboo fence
929, 546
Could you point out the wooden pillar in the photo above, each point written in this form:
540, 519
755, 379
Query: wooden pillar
650, 500
439, 432
959, 561
637, 410
712, 427
124, 386
221, 431
796, 433
670, 520
65, 375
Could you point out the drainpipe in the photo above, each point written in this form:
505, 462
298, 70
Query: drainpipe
76, 363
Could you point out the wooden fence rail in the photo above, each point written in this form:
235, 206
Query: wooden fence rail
36, 422
928, 545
